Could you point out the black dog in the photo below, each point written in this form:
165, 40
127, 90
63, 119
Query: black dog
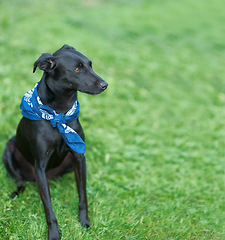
38, 151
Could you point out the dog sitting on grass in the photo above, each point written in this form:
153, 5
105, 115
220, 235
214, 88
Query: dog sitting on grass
50, 141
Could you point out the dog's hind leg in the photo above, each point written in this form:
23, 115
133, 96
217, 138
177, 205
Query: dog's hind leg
9, 161
14, 161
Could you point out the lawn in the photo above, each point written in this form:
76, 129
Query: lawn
156, 137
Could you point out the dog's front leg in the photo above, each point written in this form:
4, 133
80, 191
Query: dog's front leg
80, 174
42, 183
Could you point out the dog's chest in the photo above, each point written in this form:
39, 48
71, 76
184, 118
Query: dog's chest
56, 152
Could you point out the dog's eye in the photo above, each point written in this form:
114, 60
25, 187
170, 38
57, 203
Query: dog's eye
77, 69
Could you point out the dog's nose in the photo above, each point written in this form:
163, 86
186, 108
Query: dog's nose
103, 85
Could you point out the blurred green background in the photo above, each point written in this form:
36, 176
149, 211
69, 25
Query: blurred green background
155, 138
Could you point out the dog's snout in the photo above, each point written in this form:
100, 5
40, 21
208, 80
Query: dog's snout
103, 85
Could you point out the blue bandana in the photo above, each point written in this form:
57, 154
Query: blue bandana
33, 108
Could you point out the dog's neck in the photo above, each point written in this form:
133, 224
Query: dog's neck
55, 96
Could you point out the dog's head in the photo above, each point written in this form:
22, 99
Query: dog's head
72, 69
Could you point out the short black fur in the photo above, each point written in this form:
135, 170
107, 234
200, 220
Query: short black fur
38, 152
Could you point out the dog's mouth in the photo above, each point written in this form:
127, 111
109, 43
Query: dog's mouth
101, 87
90, 92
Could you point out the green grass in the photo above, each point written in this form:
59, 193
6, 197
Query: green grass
155, 138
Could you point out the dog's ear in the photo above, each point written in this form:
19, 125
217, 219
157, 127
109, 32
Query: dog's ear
45, 62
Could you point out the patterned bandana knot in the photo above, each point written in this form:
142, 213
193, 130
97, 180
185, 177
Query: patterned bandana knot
60, 118
33, 108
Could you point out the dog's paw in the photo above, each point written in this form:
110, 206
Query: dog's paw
54, 235
86, 224
14, 194
84, 221
20, 189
